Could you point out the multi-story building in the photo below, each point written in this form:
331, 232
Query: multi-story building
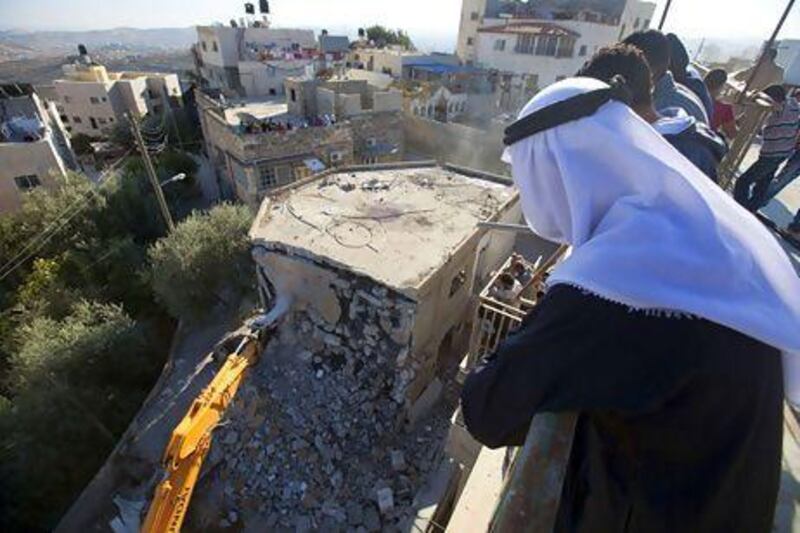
34, 146
91, 100
252, 60
532, 46
258, 146
395, 61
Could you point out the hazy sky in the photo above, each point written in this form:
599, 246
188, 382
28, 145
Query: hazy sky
734, 19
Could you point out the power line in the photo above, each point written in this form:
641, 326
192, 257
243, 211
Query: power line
48, 233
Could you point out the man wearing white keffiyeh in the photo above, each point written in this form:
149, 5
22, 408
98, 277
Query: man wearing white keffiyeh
663, 330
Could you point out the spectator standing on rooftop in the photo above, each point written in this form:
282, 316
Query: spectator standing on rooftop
779, 140
691, 138
769, 73
663, 330
666, 91
723, 118
685, 74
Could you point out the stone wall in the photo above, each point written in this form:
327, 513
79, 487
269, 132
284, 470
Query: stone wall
383, 127
456, 143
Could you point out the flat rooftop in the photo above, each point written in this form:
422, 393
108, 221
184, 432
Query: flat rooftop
258, 109
394, 225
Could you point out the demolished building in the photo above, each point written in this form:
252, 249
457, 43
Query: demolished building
338, 427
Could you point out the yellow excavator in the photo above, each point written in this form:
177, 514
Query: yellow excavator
191, 439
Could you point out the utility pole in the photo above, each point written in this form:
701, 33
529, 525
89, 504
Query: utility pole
151, 172
664, 15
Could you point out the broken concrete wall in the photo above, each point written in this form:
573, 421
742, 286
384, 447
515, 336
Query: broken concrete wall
346, 321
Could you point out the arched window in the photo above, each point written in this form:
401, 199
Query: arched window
430, 110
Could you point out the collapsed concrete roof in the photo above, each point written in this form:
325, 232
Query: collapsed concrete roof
395, 224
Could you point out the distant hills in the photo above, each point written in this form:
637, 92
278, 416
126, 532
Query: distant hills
16, 44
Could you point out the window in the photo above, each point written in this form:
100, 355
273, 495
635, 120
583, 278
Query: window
64, 118
566, 47
267, 178
474, 15
470, 41
636, 23
500, 45
272, 92
371, 142
294, 95
94, 100
94, 122
111, 119
582, 51
203, 45
104, 99
101, 120
526, 44
68, 128
547, 45
77, 120
215, 47
67, 99
27, 182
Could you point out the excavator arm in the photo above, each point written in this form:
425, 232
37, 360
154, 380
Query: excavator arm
191, 439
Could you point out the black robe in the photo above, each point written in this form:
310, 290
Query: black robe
680, 419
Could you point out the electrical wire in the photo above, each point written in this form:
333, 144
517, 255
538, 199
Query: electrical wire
53, 228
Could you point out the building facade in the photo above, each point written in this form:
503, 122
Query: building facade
259, 146
252, 61
91, 100
370, 282
534, 46
34, 145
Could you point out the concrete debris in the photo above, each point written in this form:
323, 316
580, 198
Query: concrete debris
385, 499
316, 441
398, 460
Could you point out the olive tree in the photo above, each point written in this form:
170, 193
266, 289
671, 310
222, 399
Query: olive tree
204, 262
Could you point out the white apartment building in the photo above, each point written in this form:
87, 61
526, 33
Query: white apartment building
92, 100
34, 146
254, 60
533, 47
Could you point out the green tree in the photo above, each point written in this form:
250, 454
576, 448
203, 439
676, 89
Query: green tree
82, 144
204, 262
385, 37
75, 383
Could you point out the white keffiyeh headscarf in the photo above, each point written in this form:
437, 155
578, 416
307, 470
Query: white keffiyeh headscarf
649, 230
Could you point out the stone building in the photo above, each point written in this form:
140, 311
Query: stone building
534, 44
34, 145
381, 265
256, 146
91, 100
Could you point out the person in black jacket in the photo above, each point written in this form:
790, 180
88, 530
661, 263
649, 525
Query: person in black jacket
663, 330
695, 140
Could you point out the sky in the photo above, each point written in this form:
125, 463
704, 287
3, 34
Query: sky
426, 19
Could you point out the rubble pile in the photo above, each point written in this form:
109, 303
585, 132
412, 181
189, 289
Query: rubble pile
317, 438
